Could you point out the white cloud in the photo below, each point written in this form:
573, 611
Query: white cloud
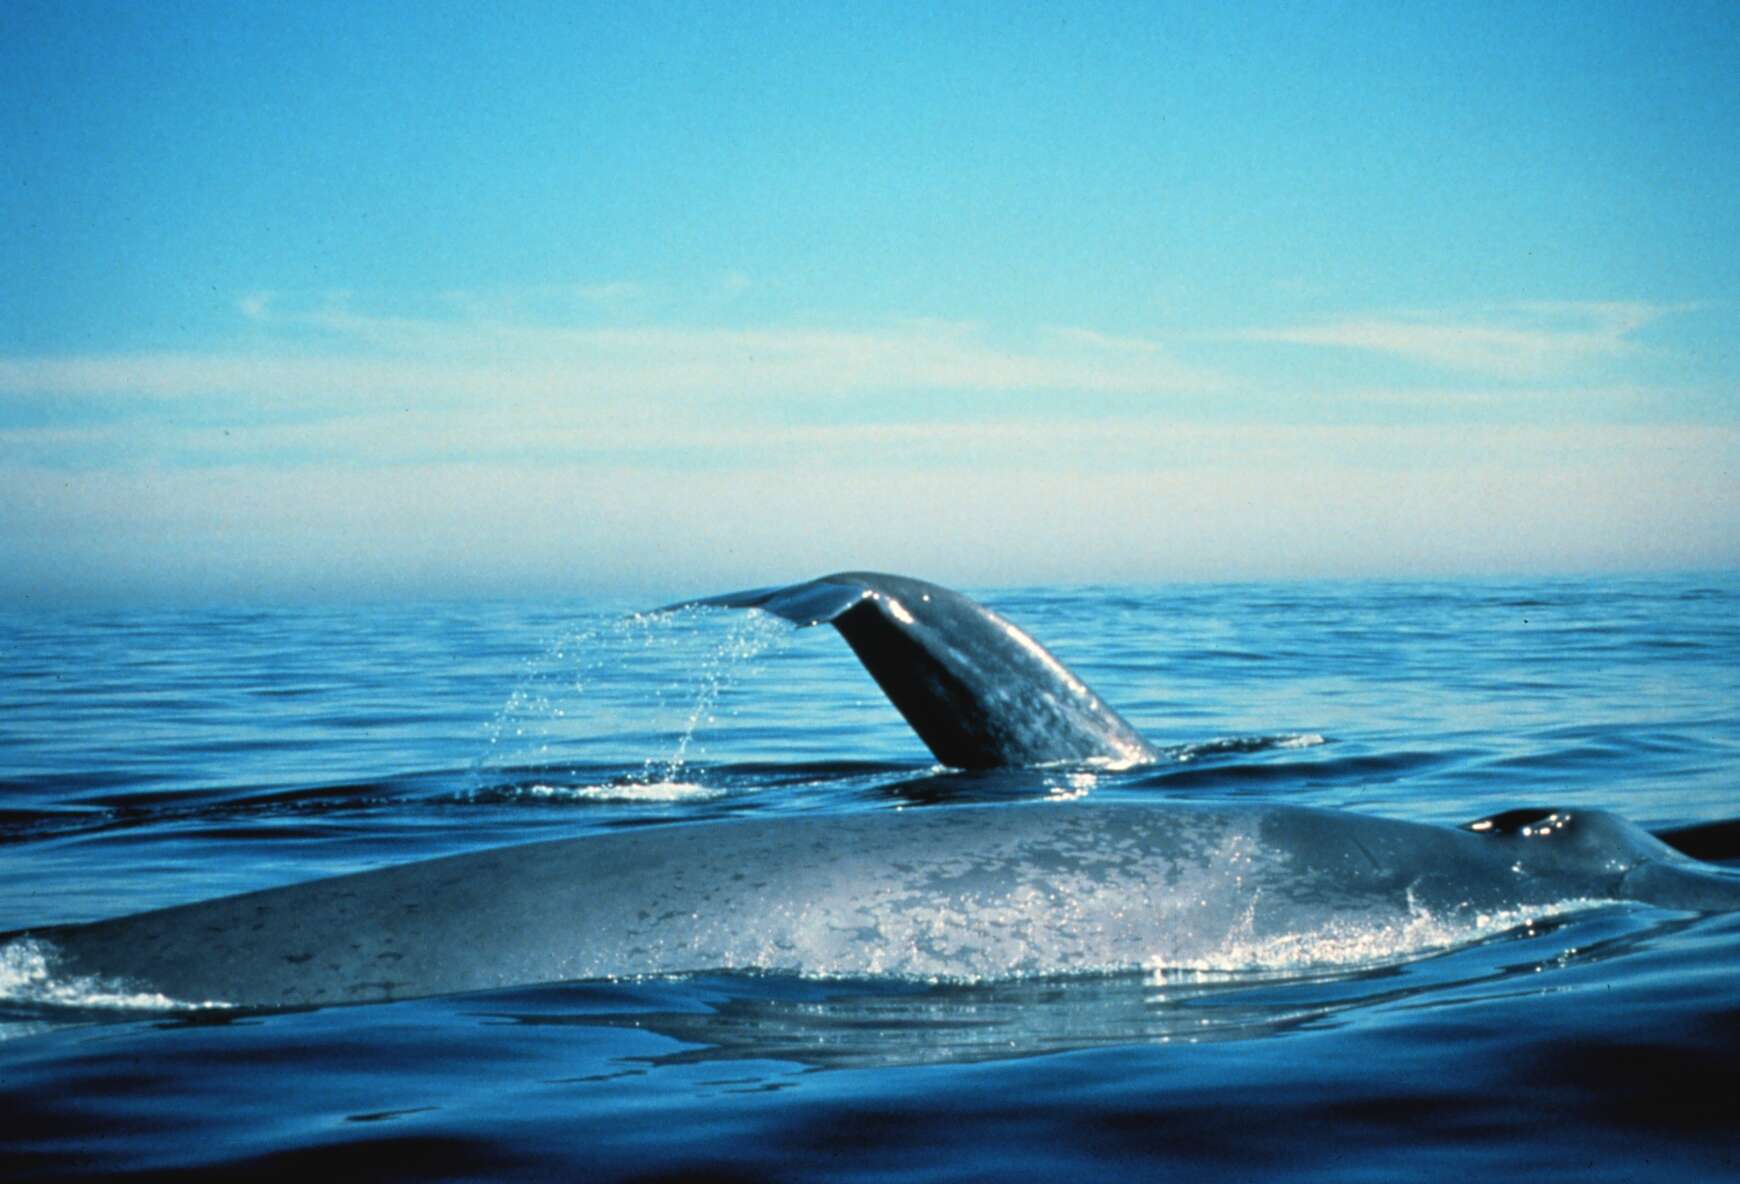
1106, 341
651, 438
481, 447
613, 293
505, 350
1223, 502
1519, 341
373, 356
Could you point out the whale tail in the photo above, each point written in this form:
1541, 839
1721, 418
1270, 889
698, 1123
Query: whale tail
978, 691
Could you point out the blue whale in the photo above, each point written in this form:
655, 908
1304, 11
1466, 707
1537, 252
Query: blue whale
969, 892
963, 892
977, 689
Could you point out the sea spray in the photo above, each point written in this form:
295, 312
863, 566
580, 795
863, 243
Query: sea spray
570, 711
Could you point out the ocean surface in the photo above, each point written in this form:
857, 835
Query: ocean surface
150, 758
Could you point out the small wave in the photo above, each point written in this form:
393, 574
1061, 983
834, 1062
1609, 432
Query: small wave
644, 787
1246, 744
28, 975
207, 806
634, 791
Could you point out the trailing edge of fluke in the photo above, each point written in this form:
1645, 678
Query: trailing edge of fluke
978, 690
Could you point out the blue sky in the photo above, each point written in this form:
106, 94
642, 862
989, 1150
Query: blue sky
327, 299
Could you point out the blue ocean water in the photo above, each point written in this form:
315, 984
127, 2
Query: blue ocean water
150, 758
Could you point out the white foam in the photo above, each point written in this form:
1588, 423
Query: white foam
28, 975
629, 791
1245, 744
1343, 945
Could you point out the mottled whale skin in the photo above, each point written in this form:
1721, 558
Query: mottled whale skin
968, 892
961, 892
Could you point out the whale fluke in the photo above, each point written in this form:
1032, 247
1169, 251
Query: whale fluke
978, 691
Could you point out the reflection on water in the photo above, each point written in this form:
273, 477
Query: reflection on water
855, 1024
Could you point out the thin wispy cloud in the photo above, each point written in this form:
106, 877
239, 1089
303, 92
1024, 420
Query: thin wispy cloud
533, 346
336, 350
526, 430
1094, 339
1155, 500
649, 437
1526, 341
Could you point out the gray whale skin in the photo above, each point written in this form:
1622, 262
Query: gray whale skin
967, 892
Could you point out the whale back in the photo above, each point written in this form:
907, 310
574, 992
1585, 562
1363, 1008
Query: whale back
957, 892
977, 689
962, 892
